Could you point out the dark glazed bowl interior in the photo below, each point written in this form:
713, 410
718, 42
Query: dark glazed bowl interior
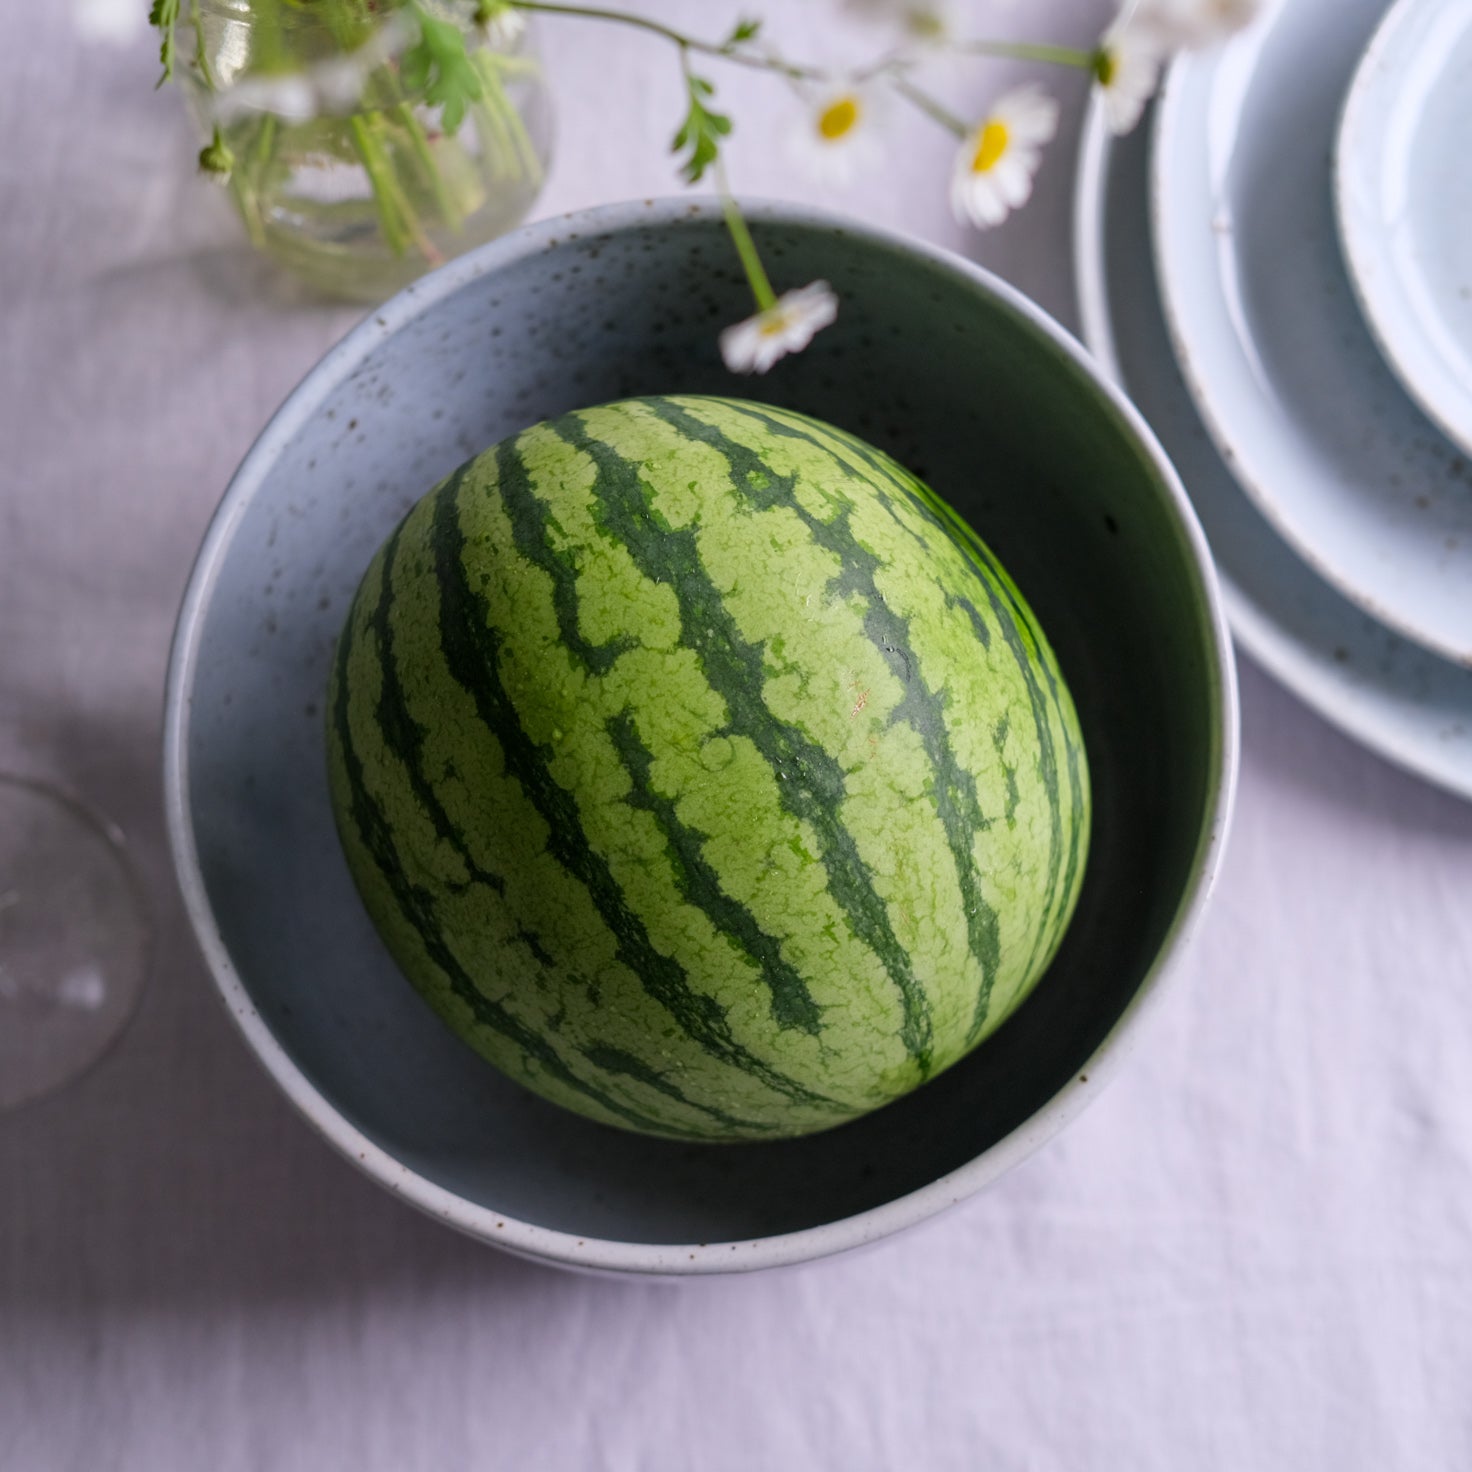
960, 381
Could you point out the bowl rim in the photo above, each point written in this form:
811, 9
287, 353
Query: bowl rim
612, 1256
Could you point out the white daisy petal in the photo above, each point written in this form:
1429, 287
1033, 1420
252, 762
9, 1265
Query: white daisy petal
840, 135
997, 161
503, 27
1128, 70
754, 345
1014, 178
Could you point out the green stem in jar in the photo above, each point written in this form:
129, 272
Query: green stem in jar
490, 68
497, 145
248, 181
448, 210
391, 222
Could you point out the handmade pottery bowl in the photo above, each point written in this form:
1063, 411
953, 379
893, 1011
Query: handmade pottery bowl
933, 360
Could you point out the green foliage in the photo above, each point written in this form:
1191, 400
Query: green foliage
701, 133
746, 29
437, 65
165, 15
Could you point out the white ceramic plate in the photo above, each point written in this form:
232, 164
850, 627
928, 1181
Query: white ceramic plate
1287, 377
1403, 194
1383, 690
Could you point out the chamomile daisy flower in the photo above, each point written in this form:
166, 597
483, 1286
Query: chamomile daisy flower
787, 326
501, 24
1127, 66
998, 158
839, 134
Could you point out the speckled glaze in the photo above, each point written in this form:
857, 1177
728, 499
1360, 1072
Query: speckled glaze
937, 363
1271, 343
1402, 204
1386, 691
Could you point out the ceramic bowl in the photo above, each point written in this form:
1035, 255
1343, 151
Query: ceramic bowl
933, 360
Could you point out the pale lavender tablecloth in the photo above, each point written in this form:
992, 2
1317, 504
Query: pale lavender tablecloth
1254, 1252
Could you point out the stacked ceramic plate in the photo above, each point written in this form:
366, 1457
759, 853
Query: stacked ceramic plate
1279, 272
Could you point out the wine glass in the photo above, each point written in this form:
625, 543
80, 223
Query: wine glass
75, 938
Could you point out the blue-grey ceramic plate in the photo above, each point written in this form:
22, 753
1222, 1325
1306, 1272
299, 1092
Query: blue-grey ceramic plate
1403, 197
1385, 691
936, 362
1268, 334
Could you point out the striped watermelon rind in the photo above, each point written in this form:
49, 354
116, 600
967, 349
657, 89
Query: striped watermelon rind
704, 770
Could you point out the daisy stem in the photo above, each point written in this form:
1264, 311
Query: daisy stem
401, 228
490, 67
201, 56
751, 262
1028, 51
419, 147
929, 106
677, 38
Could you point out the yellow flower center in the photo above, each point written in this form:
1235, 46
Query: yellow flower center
990, 147
772, 321
1106, 65
838, 119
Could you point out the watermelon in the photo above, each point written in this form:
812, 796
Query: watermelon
704, 770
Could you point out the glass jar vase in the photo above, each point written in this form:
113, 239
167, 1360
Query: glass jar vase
364, 144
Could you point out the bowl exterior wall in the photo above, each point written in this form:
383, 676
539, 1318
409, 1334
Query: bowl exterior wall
937, 363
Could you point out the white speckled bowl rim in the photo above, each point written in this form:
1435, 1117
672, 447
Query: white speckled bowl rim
617, 1257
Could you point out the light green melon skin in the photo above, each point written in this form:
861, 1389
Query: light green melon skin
539, 948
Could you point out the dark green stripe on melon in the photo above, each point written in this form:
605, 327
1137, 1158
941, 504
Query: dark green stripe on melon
471, 647
812, 781
371, 831
792, 1003
954, 790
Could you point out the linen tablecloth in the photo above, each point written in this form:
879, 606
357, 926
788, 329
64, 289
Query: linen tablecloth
1255, 1251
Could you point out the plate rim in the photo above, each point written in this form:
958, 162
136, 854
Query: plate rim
1184, 81
1255, 629
611, 1256
1438, 396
